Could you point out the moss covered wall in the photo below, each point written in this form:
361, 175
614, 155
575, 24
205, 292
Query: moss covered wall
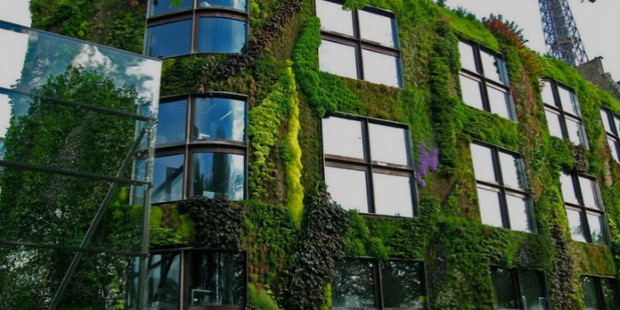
288, 96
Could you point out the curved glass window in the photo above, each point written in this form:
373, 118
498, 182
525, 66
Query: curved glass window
159, 7
172, 122
168, 176
221, 35
235, 4
219, 118
168, 40
218, 175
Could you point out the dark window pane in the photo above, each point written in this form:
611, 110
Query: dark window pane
334, 17
403, 286
343, 137
503, 289
377, 28
2, 149
338, 59
221, 35
219, 118
381, 68
388, 144
597, 228
217, 278
588, 286
218, 174
490, 213
347, 188
235, 4
354, 284
500, 102
393, 194
575, 225
467, 57
470, 89
533, 290
482, 158
164, 289
610, 293
159, 7
554, 123
169, 40
168, 178
172, 123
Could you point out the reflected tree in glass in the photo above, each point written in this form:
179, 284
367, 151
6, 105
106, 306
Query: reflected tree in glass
354, 284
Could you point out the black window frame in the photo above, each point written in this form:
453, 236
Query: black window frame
600, 297
500, 186
191, 146
515, 277
564, 112
584, 211
360, 44
368, 166
613, 133
194, 14
484, 81
378, 280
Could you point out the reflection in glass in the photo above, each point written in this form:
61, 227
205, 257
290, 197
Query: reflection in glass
503, 289
338, 59
221, 35
547, 94
235, 4
467, 57
347, 188
569, 101
171, 122
334, 17
219, 118
483, 163
218, 175
2, 149
518, 213
164, 281
470, 89
575, 132
575, 225
354, 284
388, 144
377, 28
610, 293
533, 294
402, 285
168, 40
617, 123
5, 114
554, 123
499, 102
568, 189
490, 213
492, 67
343, 137
589, 293
614, 147
393, 194
510, 170
159, 7
381, 68
597, 230
217, 278
606, 124
168, 178
589, 193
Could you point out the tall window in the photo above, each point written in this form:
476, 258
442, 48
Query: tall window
584, 208
197, 279
368, 283
611, 122
518, 289
2, 149
502, 188
368, 165
359, 44
184, 27
600, 293
201, 148
484, 80
563, 113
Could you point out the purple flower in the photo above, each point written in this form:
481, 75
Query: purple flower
428, 160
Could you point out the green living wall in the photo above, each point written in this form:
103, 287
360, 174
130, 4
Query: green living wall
294, 235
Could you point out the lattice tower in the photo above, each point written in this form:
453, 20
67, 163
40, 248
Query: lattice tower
561, 34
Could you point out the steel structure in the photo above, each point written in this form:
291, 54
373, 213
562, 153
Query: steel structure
561, 34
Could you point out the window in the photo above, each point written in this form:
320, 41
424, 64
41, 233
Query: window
183, 27
193, 279
518, 289
502, 188
368, 283
611, 122
2, 149
563, 113
201, 148
360, 44
600, 293
584, 208
484, 80
368, 165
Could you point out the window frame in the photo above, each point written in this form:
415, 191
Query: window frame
367, 165
600, 296
564, 113
485, 81
184, 273
378, 280
584, 210
503, 189
189, 146
194, 14
356, 41
515, 277
614, 134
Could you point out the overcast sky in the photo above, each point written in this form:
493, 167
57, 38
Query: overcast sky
598, 24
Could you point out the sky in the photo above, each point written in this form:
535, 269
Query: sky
598, 24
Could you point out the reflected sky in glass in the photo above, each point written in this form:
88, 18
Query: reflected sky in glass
347, 188
518, 213
392, 194
568, 190
574, 223
380, 68
569, 102
343, 137
377, 28
168, 178
235, 4
589, 193
490, 213
334, 18
168, 40
596, 228
218, 175
221, 35
483, 163
338, 59
172, 122
499, 102
553, 123
159, 7
605, 119
573, 127
613, 146
467, 57
5, 114
470, 89
491, 66
388, 144
510, 171
219, 118
547, 94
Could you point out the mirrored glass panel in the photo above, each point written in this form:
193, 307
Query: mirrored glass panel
589, 192
338, 59
354, 284
470, 90
219, 118
467, 57
597, 228
547, 94
235, 4
218, 175
483, 163
334, 17
402, 285
533, 293
377, 28
568, 189
159, 7
168, 175
503, 289
393, 195
216, 278
492, 67
510, 170
164, 285
590, 298
169, 40
381, 68
554, 123
518, 212
347, 188
221, 35
500, 102
574, 222
490, 213
343, 137
389, 144
172, 122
